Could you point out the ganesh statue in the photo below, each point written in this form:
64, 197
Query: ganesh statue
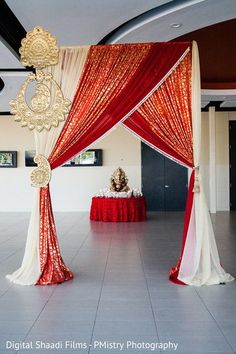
119, 181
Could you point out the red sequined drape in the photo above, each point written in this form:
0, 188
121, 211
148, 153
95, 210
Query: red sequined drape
165, 122
53, 269
116, 79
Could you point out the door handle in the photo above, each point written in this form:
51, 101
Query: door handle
167, 186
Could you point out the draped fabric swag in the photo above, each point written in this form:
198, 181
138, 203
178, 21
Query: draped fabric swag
164, 121
67, 73
152, 89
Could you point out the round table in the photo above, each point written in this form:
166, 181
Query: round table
118, 209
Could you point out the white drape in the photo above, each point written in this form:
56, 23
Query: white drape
200, 262
67, 74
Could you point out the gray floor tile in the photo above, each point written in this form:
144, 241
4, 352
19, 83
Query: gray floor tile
7, 340
71, 313
222, 314
199, 344
47, 351
124, 328
126, 351
183, 314
228, 326
122, 294
120, 290
58, 327
188, 328
15, 327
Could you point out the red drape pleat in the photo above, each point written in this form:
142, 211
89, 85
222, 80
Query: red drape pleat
174, 272
115, 81
53, 269
137, 124
164, 121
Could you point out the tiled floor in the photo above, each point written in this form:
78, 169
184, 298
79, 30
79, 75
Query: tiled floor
120, 294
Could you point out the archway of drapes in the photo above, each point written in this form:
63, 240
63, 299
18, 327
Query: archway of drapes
153, 89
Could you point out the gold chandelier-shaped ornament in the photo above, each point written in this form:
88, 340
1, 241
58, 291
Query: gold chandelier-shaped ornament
47, 105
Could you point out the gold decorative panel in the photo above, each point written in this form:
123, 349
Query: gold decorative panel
39, 49
40, 103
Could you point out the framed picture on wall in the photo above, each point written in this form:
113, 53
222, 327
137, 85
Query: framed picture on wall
91, 157
8, 159
29, 158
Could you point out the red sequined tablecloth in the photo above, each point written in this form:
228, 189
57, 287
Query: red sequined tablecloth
118, 209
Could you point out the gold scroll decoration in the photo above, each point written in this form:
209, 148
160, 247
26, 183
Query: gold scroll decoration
40, 176
47, 106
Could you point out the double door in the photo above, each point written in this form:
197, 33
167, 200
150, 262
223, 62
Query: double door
232, 164
164, 182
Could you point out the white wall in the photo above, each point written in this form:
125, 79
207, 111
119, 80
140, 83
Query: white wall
222, 157
16, 192
71, 188
222, 161
205, 154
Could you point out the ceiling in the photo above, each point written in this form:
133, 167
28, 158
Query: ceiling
78, 22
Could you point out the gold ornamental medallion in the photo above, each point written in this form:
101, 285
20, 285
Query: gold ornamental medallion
47, 105
39, 49
40, 103
40, 176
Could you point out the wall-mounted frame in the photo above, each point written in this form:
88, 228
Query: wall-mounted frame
29, 158
8, 159
91, 157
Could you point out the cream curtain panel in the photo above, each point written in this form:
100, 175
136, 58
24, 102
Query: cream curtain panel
200, 261
67, 74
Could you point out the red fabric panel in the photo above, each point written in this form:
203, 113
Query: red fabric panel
174, 272
53, 269
140, 127
115, 80
164, 120
159, 61
118, 209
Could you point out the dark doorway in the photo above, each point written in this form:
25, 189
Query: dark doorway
232, 164
164, 182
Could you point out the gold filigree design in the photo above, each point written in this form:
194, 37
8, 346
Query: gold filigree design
39, 49
47, 105
40, 177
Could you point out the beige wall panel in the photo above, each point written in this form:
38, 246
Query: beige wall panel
72, 188
222, 161
205, 154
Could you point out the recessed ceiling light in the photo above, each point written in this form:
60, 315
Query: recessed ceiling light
176, 25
